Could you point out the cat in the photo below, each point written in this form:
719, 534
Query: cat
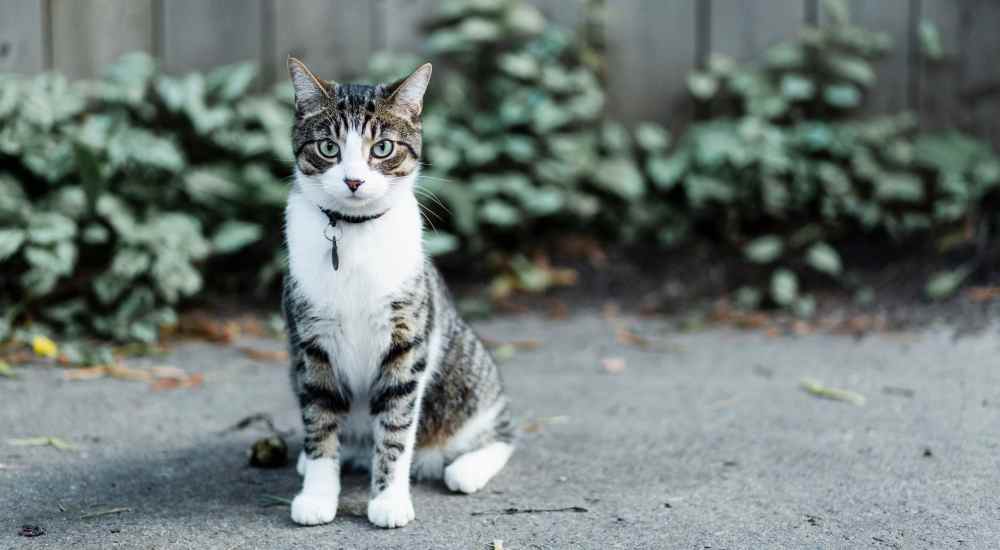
388, 375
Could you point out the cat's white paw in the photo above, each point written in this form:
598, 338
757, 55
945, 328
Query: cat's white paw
464, 477
313, 509
300, 466
472, 471
390, 510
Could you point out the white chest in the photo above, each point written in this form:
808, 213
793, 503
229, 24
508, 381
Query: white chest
351, 304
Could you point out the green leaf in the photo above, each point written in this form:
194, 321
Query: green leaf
784, 287
945, 283
621, 177
234, 235
797, 88
823, 257
652, 138
703, 86
930, 40
837, 11
129, 263
842, 96
499, 213
10, 241
50, 227
900, 187
437, 243
764, 249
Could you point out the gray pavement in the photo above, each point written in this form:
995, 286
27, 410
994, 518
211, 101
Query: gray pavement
705, 441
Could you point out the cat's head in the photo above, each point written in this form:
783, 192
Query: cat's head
357, 147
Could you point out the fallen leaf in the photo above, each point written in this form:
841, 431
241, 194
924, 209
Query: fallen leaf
191, 381
496, 545
983, 293
613, 365
630, 338
504, 353
526, 345
557, 310
43, 346
43, 441
6, 370
816, 388
85, 373
272, 356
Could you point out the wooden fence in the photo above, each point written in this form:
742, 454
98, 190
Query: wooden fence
652, 44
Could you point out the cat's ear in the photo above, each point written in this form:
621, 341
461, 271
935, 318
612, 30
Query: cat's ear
310, 91
408, 94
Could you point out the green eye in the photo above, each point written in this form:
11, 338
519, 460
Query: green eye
328, 148
382, 149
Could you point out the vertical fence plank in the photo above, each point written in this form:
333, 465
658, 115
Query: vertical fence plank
651, 49
402, 23
333, 37
197, 35
891, 91
567, 13
22, 37
979, 91
86, 36
744, 30
938, 103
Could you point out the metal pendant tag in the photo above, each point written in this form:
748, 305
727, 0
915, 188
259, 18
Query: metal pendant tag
332, 233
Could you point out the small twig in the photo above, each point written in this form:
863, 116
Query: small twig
274, 500
107, 512
263, 418
512, 511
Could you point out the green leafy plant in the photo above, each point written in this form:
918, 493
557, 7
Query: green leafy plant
114, 193
789, 165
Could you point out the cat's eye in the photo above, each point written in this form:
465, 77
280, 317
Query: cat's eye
382, 149
328, 148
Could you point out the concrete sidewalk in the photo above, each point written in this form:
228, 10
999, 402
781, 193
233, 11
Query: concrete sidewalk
705, 441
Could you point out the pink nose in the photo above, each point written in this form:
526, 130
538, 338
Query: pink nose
353, 184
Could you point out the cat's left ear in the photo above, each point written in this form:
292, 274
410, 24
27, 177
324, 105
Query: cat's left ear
408, 94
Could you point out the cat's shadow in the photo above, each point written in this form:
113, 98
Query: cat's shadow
203, 480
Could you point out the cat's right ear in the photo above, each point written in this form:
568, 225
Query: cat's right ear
310, 91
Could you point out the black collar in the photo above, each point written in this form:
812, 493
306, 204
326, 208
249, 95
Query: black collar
333, 216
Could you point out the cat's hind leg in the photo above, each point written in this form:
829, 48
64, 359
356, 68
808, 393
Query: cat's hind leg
471, 471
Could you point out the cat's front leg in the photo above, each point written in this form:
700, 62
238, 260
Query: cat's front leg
322, 411
394, 416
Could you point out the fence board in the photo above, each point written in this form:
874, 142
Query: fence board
197, 35
402, 22
744, 30
568, 13
334, 38
22, 46
938, 103
86, 36
891, 91
980, 72
651, 49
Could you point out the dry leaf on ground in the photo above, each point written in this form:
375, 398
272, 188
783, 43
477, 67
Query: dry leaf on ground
816, 388
613, 365
270, 356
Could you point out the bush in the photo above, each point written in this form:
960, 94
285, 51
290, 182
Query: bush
115, 193
790, 165
119, 196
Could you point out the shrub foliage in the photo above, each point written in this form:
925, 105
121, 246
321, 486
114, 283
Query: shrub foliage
123, 196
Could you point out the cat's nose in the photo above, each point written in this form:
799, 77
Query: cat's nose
353, 184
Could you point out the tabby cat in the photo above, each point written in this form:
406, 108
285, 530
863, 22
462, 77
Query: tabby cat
388, 376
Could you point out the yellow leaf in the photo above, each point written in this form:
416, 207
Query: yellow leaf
44, 347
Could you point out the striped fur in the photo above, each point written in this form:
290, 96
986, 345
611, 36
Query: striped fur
387, 374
